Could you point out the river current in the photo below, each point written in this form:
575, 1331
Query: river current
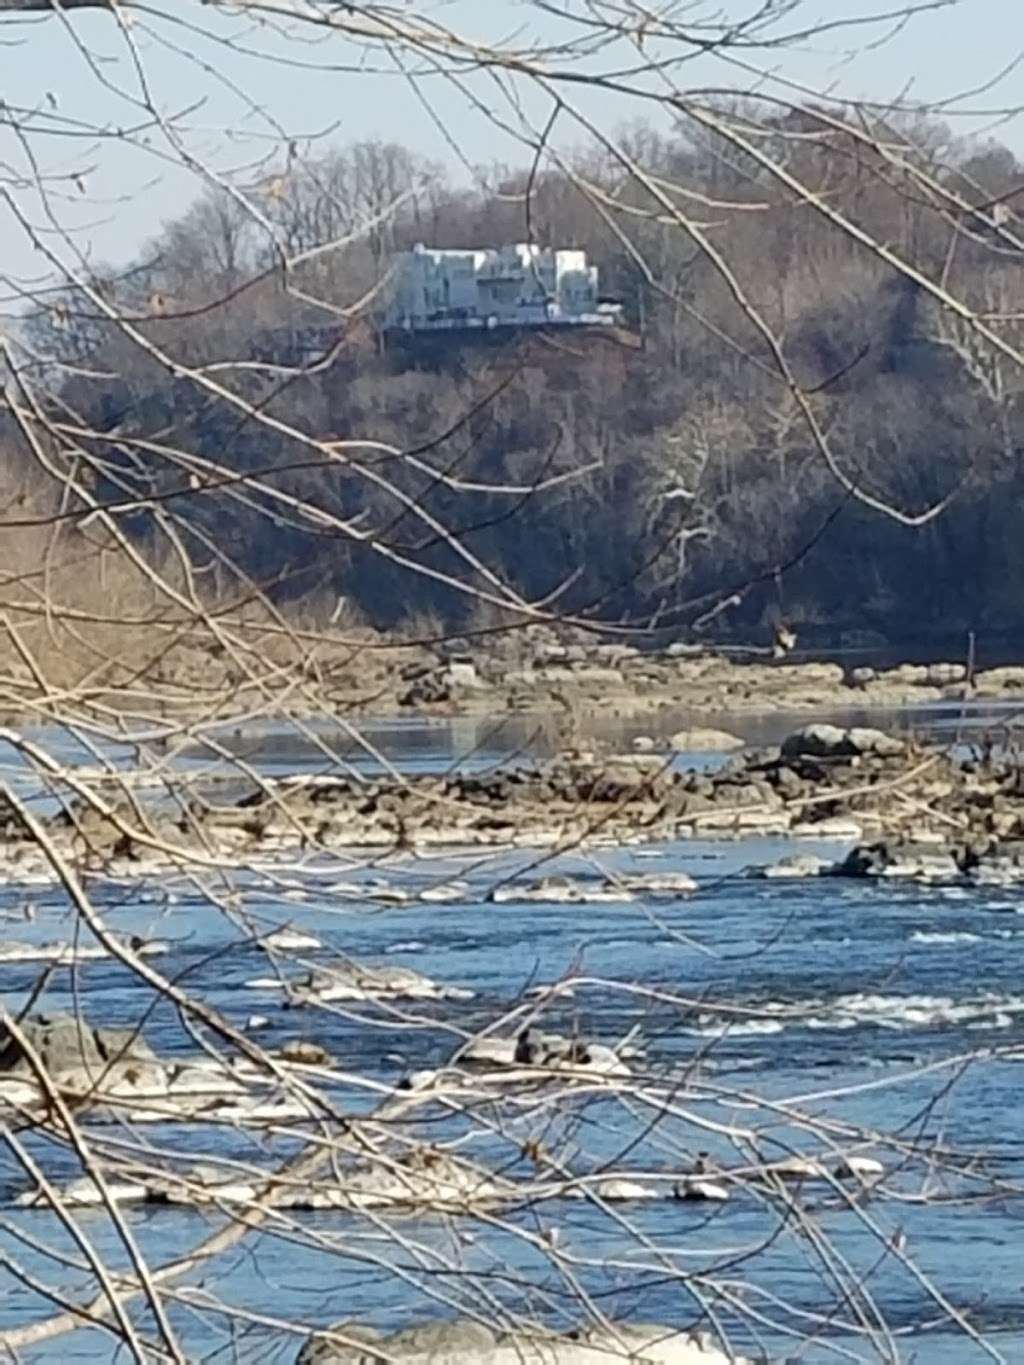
898, 1009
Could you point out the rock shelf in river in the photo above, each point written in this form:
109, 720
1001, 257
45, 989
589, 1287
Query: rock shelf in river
855, 784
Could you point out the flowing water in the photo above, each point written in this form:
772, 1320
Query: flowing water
896, 1008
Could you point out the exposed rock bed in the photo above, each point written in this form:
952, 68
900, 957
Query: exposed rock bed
114, 1073
855, 784
464, 1341
533, 670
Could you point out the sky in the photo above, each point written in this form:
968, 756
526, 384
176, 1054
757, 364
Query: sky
79, 73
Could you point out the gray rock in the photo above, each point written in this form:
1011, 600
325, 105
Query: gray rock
908, 861
704, 741
465, 1342
79, 1056
860, 677
832, 741
798, 866
868, 741
317, 1351
817, 741
940, 675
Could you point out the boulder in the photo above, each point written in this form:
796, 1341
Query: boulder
865, 740
704, 741
547, 1051
464, 1341
912, 862
81, 1057
941, 675
797, 867
817, 741
362, 981
833, 741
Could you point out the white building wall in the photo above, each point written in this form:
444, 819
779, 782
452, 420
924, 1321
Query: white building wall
520, 284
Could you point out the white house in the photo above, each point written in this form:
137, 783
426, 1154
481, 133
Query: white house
513, 286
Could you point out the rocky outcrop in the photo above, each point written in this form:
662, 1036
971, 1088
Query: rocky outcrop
833, 741
595, 890
360, 981
420, 1179
464, 1341
81, 1058
829, 782
534, 1049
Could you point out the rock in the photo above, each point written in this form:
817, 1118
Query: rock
544, 1050
81, 1057
63, 954
444, 893
644, 744
619, 1190
833, 827
1000, 680
941, 675
869, 741
916, 863
858, 1168
358, 981
534, 1048
659, 883
461, 673
464, 1341
797, 866
860, 677
303, 1053
832, 741
433, 1339
700, 1190
704, 741
283, 940
818, 741
561, 891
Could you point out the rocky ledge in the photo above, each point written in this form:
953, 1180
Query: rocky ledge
825, 782
534, 670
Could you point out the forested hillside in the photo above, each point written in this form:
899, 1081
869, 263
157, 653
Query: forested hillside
785, 421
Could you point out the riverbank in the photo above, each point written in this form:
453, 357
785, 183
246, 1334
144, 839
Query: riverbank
530, 672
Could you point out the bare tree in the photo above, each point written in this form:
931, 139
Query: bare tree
186, 506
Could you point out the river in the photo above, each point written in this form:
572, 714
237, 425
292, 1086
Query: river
895, 1008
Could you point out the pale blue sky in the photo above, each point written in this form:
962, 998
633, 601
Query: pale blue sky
74, 68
